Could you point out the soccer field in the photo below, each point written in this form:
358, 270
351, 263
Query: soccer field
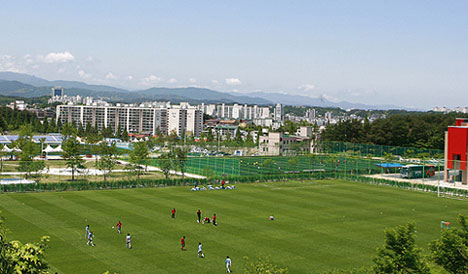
318, 226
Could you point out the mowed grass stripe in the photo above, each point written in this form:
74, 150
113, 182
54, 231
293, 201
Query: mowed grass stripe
149, 236
169, 233
301, 248
75, 235
320, 225
101, 226
64, 248
232, 231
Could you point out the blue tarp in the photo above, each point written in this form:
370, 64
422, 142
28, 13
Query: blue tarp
389, 165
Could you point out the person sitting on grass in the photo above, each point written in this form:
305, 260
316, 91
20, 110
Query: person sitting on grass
206, 220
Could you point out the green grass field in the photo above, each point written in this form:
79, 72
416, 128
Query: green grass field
319, 225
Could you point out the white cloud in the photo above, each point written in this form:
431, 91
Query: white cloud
83, 74
8, 63
150, 80
233, 81
172, 81
110, 76
130, 77
192, 80
56, 57
215, 82
307, 87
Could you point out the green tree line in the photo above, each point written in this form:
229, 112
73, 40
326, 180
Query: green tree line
421, 130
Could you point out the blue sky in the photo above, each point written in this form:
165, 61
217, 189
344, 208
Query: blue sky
407, 53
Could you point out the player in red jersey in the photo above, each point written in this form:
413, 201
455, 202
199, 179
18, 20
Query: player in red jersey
182, 243
119, 227
214, 219
173, 213
199, 216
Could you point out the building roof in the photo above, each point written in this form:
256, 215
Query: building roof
49, 139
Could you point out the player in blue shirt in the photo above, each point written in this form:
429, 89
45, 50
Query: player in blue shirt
228, 264
87, 231
90, 238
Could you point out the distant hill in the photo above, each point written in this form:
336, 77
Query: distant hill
301, 100
12, 86
200, 95
17, 84
39, 82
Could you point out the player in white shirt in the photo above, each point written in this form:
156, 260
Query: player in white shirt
90, 239
87, 231
200, 251
129, 241
228, 264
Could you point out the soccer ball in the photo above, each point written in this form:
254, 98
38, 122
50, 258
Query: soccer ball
112, 226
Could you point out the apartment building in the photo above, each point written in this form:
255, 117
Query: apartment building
277, 143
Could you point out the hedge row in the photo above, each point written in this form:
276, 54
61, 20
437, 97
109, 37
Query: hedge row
147, 183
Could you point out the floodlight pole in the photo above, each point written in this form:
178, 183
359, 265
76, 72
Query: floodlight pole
438, 178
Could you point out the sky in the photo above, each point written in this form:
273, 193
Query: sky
405, 53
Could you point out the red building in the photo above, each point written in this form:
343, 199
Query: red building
456, 151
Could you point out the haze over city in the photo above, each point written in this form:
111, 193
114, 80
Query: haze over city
404, 53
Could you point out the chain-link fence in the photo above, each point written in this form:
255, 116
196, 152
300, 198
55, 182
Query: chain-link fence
369, 150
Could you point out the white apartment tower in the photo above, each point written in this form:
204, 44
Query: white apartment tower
142, 120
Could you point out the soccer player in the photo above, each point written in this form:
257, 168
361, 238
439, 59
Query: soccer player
222, 184
199, 215
182, 243
228, 264
90, 239
119, 227
87, 231
129, 241
173, 213
207, 220
200, 252
214, 219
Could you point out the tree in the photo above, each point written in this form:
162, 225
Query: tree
165, 162
68, 130
125, 136
107, 159
451, 250
249, 139
138, 156
71, 154
210, 136
28, 150
81, 131
238, 137
263, 265
16, 257
180, 156
399, 253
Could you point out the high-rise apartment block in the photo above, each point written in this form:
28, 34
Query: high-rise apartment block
57, 91
135, 119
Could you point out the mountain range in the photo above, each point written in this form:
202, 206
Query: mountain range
24, 85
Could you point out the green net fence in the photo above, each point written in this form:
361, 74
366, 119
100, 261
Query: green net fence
378, 150
270, 165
